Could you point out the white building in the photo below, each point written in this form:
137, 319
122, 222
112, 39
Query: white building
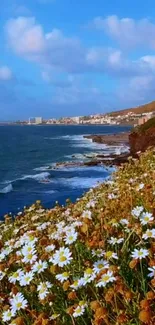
38, 120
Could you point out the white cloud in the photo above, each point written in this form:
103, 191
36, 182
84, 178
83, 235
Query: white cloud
25, 37
127, 31
56, 53
5, 73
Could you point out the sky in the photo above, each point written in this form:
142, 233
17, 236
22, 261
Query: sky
70, 58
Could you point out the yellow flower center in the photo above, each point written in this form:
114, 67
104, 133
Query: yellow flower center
109, 254
146, 218
29, 256
140, 253
19, 304
65, 274
89, 271
63, 258
149, 233
100, 266
105, 278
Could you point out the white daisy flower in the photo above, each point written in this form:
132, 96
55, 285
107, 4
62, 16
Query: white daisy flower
112, 196
100, 265
26, 278
70, 238
14, 277
98, 252
18, 302
140, 253
61, 257
146, 217
39, 266
136, 212
7, 315
152, 271
124, 222
78, 311
50, 248
140, 187
114, 241
106, 278
86, 215
91, 204
62, 277
110, 255
150, 233
42, 289
77, 284
30, 257
54, 316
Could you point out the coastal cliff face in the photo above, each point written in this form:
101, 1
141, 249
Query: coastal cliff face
143, 137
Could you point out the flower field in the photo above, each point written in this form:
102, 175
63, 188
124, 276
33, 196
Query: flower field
92, 262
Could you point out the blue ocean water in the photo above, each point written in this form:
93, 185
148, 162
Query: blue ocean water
26, 152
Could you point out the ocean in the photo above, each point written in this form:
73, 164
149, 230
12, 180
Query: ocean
27, 159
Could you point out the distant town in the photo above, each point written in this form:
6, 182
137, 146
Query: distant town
129, 118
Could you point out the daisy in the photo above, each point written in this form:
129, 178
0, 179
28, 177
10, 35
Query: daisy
86, 214
50, 248
7, 315
150, 233
124, 222
77, 284
78, 311
136, 212
26, 278
110, 255
16, 276
42, 289
39, 266
70, 238
106, 278
100, 265
139, 254
18, 302
30, 257
140, 187
152, 271
114, 241
91, 204
98, 252
146, 217
61, 257
62, 277
112, 196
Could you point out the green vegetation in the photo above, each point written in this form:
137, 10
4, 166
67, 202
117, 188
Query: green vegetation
144, 127
88, 263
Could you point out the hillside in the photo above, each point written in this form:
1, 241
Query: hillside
149, 107
88, 263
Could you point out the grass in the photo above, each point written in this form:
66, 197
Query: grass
91, 262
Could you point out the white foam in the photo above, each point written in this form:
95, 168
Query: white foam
7, 189
81, 182
37, 177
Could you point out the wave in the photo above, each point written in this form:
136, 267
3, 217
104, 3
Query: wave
6, 189
80, 182
38, 177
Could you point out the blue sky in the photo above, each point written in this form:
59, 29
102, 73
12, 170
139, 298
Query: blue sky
68, 57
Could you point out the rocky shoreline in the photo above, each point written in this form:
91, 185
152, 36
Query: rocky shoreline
111, 159
115, 139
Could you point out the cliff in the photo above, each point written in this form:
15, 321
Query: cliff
142, 137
